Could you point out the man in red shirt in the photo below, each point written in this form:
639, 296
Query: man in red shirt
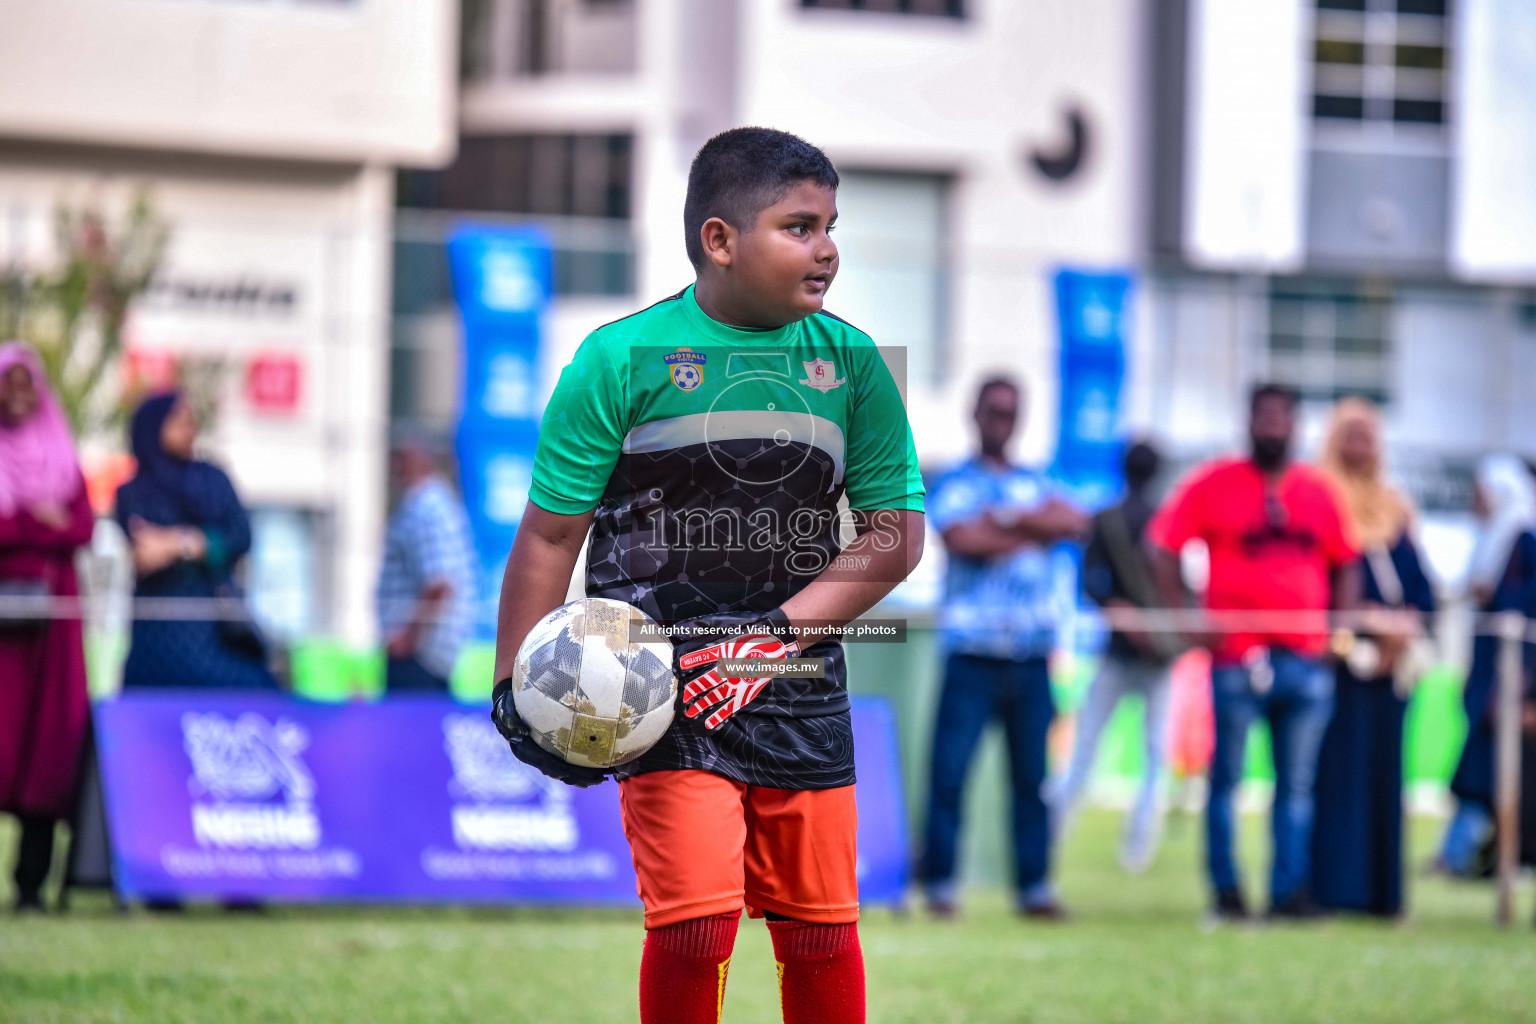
1281, 555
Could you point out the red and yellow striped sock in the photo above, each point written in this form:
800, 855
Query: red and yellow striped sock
683, 970
821, 972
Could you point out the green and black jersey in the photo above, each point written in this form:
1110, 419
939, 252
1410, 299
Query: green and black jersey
717, 460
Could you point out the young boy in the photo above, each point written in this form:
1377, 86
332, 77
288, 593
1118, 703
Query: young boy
707, 441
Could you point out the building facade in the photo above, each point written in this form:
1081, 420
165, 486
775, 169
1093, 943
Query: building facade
1333, 206
981, 145
1313, 191
266, 136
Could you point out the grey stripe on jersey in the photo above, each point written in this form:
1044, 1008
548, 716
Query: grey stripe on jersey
741, 425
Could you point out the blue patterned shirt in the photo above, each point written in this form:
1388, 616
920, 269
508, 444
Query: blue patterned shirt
428, 541
1001, 607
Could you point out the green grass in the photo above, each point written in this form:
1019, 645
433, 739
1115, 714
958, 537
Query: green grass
1134, 952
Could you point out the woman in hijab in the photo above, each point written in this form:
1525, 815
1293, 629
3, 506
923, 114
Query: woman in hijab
1357, 839
187, 530
1503, 578
45, 517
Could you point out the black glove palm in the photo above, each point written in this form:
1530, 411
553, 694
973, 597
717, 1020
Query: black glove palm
515, 731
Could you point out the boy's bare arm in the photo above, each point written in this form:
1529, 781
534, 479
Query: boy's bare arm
887, 548
538, 574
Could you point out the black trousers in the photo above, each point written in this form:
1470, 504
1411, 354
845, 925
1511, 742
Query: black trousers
34, 856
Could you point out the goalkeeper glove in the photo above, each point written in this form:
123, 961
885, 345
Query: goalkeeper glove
699, 643
518, 736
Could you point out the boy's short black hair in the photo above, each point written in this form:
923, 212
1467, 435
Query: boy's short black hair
1284, 392
741, 172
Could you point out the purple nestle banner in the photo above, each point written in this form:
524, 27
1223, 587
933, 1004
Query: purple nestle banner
253, 796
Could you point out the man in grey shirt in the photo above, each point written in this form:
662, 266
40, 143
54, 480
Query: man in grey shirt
426, 595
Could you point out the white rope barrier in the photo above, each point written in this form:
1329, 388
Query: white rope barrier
1183, 621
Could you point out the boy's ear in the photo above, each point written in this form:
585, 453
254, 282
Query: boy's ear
719, 241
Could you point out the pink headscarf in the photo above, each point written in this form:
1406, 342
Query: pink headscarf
37, 458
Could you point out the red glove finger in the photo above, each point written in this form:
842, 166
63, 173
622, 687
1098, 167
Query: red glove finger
743, 696
718, 695
702, 685
733, 694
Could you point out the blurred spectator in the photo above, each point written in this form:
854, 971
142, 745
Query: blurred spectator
1357, 847
1503, 578
1280, 546
187, 530
997, 520
427, 584
45, 517
1118, 577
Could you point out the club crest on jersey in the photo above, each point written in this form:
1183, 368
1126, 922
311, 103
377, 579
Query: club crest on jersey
687, 368
821, 374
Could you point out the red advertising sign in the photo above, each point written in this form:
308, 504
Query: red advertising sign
148, 369
272, 383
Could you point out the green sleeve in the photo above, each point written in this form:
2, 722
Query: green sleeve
882, 468
582, 432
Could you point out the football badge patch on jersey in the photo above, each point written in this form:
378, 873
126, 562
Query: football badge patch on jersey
821, 374
687, 368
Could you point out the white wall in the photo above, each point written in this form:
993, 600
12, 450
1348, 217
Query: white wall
349, 80
1493, 226
1247, 128
1458, 391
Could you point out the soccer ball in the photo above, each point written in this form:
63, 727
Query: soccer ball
589, 693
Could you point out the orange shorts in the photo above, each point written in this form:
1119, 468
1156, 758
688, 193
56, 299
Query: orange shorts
705, 845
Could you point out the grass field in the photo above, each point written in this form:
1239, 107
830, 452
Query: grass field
1134, 952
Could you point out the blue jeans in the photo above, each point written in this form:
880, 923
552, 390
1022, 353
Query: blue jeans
975, 690
1297, 706
1464, 838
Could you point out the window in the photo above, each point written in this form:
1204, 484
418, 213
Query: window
940, 8
503, 39
893, 278
576, 186
564, 175
1329, 339
1381, 61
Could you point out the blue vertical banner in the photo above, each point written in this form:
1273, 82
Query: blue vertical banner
1092, 309
501, 283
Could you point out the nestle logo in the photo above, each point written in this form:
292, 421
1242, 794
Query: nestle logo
256, 826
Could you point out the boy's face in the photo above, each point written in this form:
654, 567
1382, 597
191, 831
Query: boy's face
784, 265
